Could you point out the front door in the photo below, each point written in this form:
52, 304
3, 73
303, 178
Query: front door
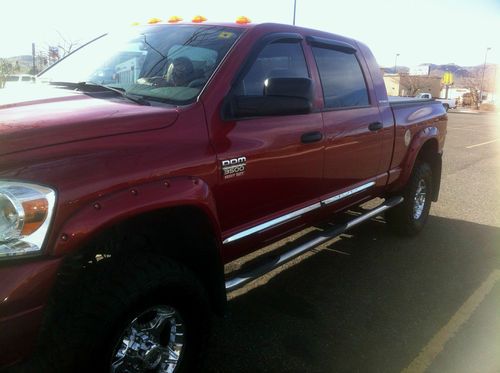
270, 177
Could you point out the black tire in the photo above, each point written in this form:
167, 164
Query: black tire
86, 333
446, 107
404, 219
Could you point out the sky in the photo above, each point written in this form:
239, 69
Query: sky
423, 31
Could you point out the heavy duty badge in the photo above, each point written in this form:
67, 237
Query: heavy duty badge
234, 167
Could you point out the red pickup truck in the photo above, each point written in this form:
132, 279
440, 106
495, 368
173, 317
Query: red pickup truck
152, 158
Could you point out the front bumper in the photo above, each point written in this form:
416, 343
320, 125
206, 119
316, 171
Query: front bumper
24, 289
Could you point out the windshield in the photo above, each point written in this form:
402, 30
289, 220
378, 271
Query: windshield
169, 63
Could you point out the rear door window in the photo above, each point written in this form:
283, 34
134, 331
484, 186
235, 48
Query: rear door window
342, 79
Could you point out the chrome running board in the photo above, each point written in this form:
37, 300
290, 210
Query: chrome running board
246, 276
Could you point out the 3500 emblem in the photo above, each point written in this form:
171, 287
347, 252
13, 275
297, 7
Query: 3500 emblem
234, 167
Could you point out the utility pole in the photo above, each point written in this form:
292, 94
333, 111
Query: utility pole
396, 63
33, 54
294, 10
482, 79
496, 82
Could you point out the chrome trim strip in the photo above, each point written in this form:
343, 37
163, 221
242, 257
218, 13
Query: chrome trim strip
348, 193
272, 223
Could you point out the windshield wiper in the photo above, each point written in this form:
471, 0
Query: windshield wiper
95, 87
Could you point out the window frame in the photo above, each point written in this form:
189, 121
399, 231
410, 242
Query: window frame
264, 41
289, 37
343, 47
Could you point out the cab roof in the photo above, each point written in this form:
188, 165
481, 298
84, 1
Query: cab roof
264, 27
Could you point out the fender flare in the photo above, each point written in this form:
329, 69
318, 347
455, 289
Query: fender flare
419, 140
111, 209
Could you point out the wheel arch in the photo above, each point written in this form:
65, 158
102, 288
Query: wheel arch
175, 218
424, 147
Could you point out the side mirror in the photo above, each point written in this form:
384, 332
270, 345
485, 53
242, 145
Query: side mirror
282, 96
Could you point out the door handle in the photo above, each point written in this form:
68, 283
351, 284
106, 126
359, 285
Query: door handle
375, 126
309, 137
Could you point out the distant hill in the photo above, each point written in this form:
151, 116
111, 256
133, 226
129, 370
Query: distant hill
457, 70
461, 74
27, 59
462, 71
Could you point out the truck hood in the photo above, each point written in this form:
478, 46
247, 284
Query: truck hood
41, 116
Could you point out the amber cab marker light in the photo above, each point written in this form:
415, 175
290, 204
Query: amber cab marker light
152, 21
135, 23
243, 20
174, 19
199, 19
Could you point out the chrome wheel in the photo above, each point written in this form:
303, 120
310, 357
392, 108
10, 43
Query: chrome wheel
419, 199
153, 341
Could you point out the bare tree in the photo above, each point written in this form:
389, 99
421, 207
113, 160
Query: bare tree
6, 68
414, 84
66, 44
51, 53
473, 83
410, 84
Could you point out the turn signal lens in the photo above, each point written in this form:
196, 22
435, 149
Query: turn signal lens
174, 19
152, 21
242, 20
199, 19
35, 213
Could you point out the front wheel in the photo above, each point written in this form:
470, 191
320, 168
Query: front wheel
152, 340
410, 216
163, 325
138, 314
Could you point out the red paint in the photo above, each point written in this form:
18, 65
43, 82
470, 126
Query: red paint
24, 288
112, 160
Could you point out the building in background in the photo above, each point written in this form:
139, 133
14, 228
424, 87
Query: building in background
421, 70
411, 85
455, 92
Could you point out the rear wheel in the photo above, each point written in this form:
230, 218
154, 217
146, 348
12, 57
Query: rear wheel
409, 217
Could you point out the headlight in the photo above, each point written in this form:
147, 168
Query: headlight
25, 214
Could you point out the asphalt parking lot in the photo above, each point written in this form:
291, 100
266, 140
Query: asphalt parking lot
374, 302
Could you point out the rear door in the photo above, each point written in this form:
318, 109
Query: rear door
270, 178
352, 124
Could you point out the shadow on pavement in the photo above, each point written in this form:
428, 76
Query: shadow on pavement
370, 311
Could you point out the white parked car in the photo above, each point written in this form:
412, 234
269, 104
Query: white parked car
448, 103
19, 79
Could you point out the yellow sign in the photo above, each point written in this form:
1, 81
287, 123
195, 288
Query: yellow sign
447, 78
226, 35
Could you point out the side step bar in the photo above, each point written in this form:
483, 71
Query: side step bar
249, 275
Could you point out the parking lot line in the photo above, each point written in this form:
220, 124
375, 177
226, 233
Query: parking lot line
463, 129
483, 143
336, 251
437, 343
